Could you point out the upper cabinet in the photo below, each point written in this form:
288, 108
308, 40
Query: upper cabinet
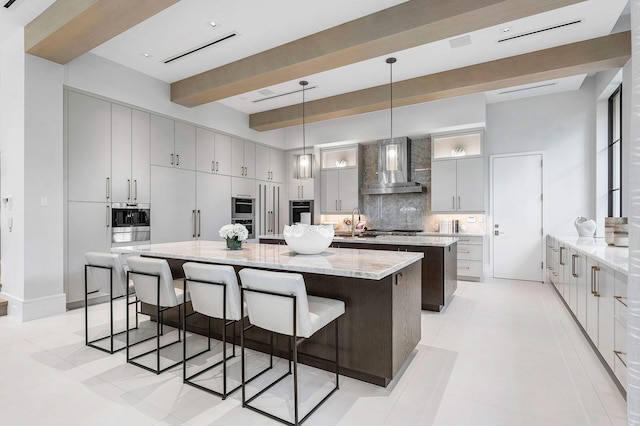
340, 179
243, 158
457, 173
89, 148
270, 164
214, 152
129, 155
173, 143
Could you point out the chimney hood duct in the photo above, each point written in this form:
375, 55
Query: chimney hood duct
394, 168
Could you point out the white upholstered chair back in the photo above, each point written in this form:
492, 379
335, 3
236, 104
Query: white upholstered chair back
100, 277
207, 298
275, 313
147, 286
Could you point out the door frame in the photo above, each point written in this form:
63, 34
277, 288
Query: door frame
492, 212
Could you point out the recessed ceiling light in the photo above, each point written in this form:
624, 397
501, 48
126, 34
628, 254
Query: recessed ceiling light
146, 55
212, 24
506, 29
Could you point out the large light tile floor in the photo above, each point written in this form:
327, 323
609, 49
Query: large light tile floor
503, 353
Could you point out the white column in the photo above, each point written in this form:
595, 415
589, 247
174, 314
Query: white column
633, 337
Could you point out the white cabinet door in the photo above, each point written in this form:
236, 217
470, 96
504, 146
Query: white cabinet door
582, 288
205, 150
270, 208
329, 191
213, 203
250, 159
263, 167
185, 146
604, 287
89, 230
470, 184
89, 148
223, 154
140, 149
299, 189
237, 157
243, 188
162, 141
278, 168
592, 303
121, 183
173, 200
348, 185
443, 186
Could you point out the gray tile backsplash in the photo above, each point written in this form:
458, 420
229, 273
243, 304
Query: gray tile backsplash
398, 211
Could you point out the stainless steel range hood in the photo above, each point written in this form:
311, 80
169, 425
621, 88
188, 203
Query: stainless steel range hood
394, 168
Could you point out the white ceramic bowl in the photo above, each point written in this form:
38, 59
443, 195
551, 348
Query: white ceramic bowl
308, 239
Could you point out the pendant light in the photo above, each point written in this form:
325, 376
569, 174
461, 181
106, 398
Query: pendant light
304, 164
391, 150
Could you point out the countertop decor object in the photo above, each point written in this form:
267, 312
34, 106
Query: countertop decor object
610, 224
308, 239
234, 234
585, 227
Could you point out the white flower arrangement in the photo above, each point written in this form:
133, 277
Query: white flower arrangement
235, 231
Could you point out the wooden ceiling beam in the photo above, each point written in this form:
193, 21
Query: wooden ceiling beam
407, 25
584, 57
70, 28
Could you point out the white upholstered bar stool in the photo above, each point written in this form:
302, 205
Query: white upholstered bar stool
108, 276
278, 302
154, 285
214, 293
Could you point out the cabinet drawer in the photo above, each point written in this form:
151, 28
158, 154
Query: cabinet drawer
469, 252
620, 309
470, 268
620, 352
464, 240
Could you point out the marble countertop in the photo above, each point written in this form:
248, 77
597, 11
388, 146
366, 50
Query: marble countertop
612, 256
354, 263
387, 239
456, 235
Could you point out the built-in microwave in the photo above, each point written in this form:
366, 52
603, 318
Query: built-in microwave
242, 208
130, 223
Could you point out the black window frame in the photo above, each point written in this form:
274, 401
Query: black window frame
614, 192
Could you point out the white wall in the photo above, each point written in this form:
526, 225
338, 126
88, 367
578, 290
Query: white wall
412, 121
97, 75
562, 126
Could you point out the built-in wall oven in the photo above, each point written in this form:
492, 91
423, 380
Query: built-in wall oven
243, 212
301, 211
130, 223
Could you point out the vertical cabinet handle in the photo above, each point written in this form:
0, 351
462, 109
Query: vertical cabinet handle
108, 218
336, 205
135, 189
213, 166
177, 159
277, 208
458, 202
108, 187
217, 167
199, 223
561, 257
594, 281
573, 265
193, 216
453, 202
301, 191
129, 185
172, 159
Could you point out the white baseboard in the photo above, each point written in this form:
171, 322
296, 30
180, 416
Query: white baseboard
31, 309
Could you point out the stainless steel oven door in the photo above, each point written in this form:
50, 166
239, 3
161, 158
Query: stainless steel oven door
248, 223
132, 234
242, 207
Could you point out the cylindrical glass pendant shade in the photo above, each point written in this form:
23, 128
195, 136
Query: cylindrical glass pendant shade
305, 166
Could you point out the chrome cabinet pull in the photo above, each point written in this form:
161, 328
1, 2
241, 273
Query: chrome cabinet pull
108, 188
573, 265
177, 159
108, 218
193, 216
199, 223
453, 202
172, 159
135, 189
129, 185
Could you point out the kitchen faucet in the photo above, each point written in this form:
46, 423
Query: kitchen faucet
353, 223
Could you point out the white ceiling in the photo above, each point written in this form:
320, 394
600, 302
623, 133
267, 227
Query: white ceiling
265, 24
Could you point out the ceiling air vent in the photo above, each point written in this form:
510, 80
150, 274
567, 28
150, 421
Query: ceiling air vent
9, 3
526, 88
197, 49
554, 27
281, 94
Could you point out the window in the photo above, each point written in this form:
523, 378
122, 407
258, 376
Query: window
615, 153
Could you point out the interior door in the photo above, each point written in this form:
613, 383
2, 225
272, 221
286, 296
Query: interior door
517, 216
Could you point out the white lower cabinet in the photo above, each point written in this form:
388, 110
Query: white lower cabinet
89, 230
620, 329
580, 284
213, 204
173, 201
470, 258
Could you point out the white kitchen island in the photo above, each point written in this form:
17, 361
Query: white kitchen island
381, 291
